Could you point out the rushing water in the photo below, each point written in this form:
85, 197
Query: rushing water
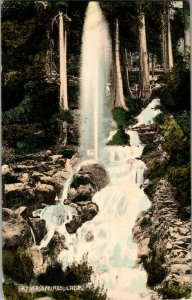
106, 240
95, 66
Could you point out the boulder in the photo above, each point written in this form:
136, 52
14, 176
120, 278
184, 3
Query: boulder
143, 249
45, 193
39, 229
40, 260
86, 182
16, 231
17, 194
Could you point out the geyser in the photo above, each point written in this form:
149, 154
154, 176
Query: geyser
95, 66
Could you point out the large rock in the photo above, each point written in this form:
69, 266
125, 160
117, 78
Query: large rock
86, 182
86, 210
40, 260
16, 231
17, 194
45, 193
39, 229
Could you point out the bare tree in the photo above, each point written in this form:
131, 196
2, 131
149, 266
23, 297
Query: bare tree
119, 95
144, 66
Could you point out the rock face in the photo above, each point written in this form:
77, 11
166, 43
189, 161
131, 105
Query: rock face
86, 182
34, 180
16, 231
86, 210
161, 230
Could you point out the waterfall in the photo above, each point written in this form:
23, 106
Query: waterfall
111, 251
95, 65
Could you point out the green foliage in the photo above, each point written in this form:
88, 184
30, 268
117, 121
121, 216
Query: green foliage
184, 121
65, 115
120, 138
160, 118
174, 138
174, 290
75, 274
157, 170
18, 265
8, 154
154, 266
51, 250
120, 117
175, 94
149, 148
134, 106
125, 118
180, 178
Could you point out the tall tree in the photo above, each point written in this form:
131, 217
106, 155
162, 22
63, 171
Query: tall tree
144, 66
119, 95
186, 12
166, 38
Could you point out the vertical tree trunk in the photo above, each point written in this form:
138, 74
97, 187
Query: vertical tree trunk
186, 12
119, 101
166, 38
153, 68
63, 63
170, 50
127, 65
144, 66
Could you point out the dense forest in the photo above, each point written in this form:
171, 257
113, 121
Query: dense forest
150, 43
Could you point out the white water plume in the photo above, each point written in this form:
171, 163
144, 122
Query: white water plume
95, 66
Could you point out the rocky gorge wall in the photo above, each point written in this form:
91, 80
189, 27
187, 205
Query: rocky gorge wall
164, 239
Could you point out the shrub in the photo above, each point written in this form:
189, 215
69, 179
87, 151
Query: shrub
175, 290
180, 178
174, 138
120, 117
159, 170
155, 270
120, 138
184, 119
18, 265
160, 118
175, 94
75, 274
8, 154
149, 148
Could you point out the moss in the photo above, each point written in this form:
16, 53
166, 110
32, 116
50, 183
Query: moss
149, 148
8, 154
180, 178
174, 290
120, 138
156, 272
160, 118
158, 170
18, 265
51, 250
174, 138
120, 117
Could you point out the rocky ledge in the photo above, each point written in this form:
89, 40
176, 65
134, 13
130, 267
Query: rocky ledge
164, 240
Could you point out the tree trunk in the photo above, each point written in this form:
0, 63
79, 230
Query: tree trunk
166, 39
127, 65
170, 50
144, 66
63, 63
186, 12
119, 99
